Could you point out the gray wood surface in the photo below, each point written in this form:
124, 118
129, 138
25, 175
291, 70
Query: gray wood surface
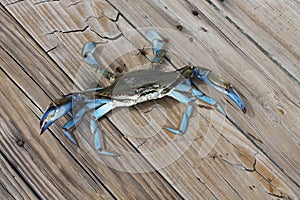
254, 44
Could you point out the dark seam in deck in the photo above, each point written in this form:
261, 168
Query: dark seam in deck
17, 84
20, 175
265, 52
5, 188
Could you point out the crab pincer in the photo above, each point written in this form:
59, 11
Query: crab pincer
88, 53
87, 102
220, 84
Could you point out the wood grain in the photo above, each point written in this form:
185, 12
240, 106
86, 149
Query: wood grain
59, 168
11, 185
252, 156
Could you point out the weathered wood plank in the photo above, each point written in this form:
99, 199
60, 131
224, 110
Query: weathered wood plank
51, 170
11, 184
274, 26
235, 167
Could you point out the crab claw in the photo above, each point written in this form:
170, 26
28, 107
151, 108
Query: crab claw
57, 109
220, 84
88, 54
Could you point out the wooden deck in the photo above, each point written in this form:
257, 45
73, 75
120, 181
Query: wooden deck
254, 44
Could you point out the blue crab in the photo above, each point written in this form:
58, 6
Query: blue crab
136, 87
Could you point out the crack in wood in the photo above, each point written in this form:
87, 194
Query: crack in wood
45, 1
14, 2
91, 29
138, 146
68, 31
263, 151
254, 170
73, 4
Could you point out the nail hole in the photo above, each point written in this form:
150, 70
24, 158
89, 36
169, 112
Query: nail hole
179, 27
195, 12
20, 143
252, 187
204, 29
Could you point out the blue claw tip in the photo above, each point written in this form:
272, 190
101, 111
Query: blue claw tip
108, 153
45, 121
70, 137
233, 95
57, 109
177, 132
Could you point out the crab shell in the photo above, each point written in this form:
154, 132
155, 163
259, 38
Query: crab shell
139, 86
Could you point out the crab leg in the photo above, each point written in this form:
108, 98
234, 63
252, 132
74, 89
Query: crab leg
71, 123
186, 87
184, 122
68, 127
186, 115
180, 97
98, 137
207, 100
